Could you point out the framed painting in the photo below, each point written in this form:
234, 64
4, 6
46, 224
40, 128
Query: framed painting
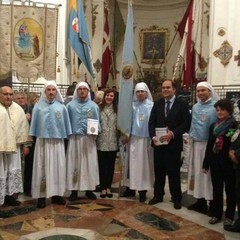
153, 44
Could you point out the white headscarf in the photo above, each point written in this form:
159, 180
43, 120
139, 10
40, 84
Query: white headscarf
81, 84
43, 96
142, 86
207, 85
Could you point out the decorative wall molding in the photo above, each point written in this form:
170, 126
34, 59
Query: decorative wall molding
224, 53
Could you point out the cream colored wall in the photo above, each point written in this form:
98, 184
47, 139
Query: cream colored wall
142, 19
145, 19
224, 15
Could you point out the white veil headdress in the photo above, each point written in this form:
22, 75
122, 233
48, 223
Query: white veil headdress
53, 83
207, 85
142, 86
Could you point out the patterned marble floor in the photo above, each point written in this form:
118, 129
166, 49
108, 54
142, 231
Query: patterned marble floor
108, 219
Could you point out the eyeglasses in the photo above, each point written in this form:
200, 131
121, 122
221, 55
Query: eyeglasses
7, 94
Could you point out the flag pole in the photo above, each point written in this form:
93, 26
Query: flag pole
139, 67
176, 67
124, 118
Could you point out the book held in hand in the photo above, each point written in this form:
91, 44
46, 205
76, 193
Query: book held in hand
159, 132
92, 126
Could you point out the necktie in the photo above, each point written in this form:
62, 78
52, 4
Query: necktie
167, 107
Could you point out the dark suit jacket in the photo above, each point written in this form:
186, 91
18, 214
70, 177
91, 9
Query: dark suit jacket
222, 157
178, 121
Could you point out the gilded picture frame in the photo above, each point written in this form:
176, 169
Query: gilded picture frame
153, 44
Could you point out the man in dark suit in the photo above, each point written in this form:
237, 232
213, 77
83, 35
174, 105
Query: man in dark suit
21, 99
173, 114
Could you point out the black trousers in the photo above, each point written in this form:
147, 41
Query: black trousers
167, 163
237, 172
106, 163
223, 177
28, 167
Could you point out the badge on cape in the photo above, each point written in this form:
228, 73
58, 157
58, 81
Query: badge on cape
58, 114
89, 113
127, 72
235, 135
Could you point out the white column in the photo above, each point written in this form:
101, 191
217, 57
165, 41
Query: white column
224, 16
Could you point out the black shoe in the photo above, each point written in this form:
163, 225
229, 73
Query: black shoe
103, 194
200, 206
91, 195
234, 228
11, 201
74, 196
109, 195
142, 196
58, 200
177, 205
214, 220
128, 193
155, 200
41, 203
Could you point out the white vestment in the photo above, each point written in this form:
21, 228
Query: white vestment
49, 168
10, 174
14, 128
82, 164
14, 131
139, 171
199, 184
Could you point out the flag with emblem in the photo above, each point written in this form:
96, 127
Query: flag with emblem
126, 81
107, 54
78, 34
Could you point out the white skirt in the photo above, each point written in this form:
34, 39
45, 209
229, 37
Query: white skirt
82, 163
10, 174
49, 168
138, 167
199, 183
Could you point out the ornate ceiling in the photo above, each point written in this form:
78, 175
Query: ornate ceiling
155, 4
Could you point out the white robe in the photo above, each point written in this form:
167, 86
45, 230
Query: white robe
139, 171
49, 165
199, 183
82, 163
14, 128
14, 131
10, 174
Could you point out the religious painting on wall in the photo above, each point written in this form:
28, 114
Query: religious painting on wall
153, 44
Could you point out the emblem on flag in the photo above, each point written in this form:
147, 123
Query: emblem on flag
127, 72
75, 25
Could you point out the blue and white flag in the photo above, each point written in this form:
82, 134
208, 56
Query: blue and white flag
124, 120
78, 34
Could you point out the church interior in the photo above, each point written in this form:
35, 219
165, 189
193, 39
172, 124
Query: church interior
159, 53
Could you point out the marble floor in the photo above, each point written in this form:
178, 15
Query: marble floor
116, 218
